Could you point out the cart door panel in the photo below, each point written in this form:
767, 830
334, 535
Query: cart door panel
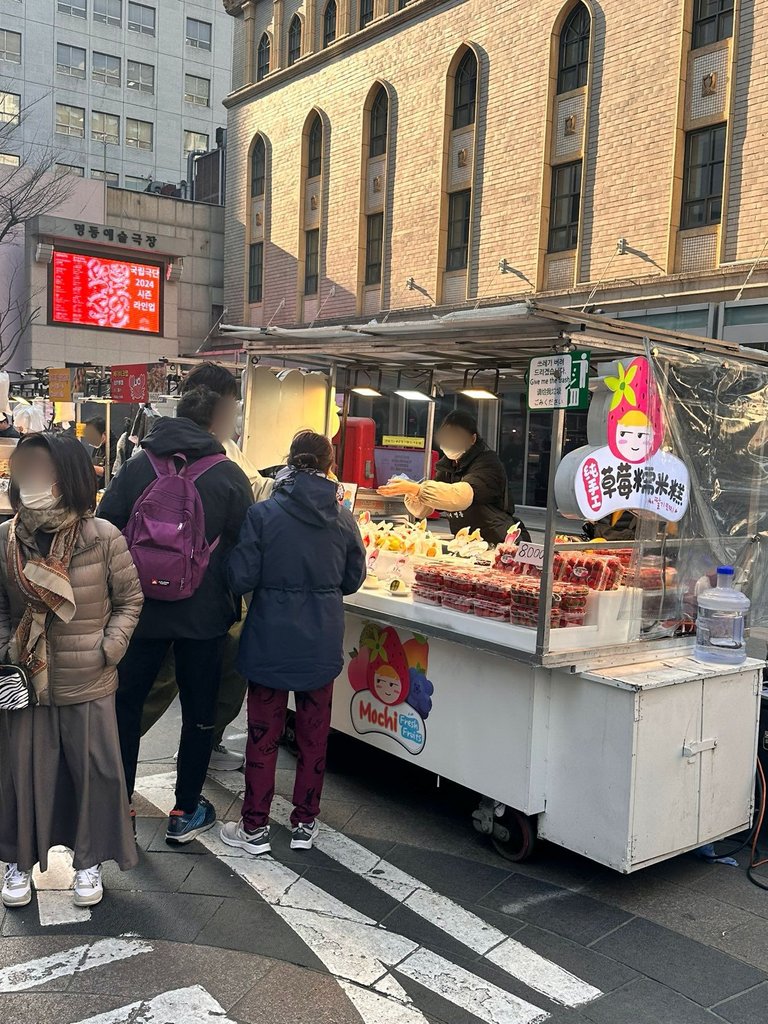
729, 719
665, 809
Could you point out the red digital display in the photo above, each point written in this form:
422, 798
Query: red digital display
116, 295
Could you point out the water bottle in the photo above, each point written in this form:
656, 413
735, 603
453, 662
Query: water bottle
721, 622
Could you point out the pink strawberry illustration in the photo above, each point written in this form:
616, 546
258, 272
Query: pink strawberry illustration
388, 671
357, 670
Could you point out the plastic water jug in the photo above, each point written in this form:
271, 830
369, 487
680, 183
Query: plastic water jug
721, 622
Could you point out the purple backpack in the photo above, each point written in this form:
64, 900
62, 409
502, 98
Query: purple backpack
166, 531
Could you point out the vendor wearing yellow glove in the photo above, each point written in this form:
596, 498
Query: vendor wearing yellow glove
470, 484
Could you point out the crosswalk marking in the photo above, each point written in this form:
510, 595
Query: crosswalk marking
54, 891
70, 961
191, 1005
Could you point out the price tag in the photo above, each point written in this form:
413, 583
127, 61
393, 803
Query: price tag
530, 554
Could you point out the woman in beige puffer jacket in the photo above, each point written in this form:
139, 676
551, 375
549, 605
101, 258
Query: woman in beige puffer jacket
69, 602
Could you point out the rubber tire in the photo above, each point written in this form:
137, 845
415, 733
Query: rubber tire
289, 733
522, 841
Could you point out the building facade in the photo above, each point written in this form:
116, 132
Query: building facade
122, 91
385, 155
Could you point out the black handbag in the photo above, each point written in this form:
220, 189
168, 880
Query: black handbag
16, 690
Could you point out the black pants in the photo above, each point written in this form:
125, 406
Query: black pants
198, 674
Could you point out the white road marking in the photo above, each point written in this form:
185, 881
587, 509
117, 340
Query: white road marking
182, 1006
69, 961
54, 891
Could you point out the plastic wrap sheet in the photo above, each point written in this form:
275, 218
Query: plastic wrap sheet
716, 415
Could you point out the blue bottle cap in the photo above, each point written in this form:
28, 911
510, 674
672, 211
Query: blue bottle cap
725, 570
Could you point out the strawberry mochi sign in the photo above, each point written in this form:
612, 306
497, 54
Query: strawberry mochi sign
624, 468
392, 695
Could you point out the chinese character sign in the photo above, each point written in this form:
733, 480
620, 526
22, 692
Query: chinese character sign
93, 291
631, 472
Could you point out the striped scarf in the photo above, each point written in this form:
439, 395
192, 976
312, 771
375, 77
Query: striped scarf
44, 584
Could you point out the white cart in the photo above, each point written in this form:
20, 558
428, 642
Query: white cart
627, 766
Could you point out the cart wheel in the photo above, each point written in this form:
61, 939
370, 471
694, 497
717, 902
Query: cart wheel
514, 835
289, 732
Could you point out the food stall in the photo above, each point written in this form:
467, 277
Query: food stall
555, 678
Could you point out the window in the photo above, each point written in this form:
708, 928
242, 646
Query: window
329, 23
9, 160
105, 128
195, 142
198, 34
79, 172
70, 120
703, 177
401, 4
135, 184
110, 12
564, 211
258, 168
712, 21
573, 57
141, 19
373, 248
255, 272
294, 40
105, 68
315, 149
465, 91
70, 60
262, 58
112, 178
141, 77
197, 90
311, 261
10, 46
139, 134
366, 12
379, 116
77, 8
459, 209
10, 108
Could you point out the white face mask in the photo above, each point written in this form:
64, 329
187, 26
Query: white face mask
453, 453
38, 501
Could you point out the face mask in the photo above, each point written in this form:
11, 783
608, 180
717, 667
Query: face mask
453, 453
38, 501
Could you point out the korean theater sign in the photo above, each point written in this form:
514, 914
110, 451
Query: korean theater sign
111, 294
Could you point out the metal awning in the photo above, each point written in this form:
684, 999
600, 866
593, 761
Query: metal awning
493, 337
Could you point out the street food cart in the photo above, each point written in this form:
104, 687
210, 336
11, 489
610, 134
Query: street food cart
578, 712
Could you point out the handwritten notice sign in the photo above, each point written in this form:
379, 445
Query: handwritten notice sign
559, 381
530, 554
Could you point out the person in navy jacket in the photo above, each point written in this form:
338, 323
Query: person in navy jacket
299, 553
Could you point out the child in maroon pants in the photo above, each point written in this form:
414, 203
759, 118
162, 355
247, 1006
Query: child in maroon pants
299, 552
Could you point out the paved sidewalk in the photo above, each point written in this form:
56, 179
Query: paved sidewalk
401, 915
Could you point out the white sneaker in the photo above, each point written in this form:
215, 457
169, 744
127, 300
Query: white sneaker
233, 834
88, 887
224, 760
17, 887
303, 836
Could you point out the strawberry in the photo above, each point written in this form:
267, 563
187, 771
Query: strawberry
387, 649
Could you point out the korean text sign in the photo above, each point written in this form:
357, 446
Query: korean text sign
95, 291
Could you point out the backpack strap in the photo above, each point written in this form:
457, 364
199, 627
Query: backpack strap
195, 470
165, 466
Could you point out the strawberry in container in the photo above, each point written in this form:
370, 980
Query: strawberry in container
624, 555
505, 556
594, 571
459, 581
492, 610
428, 573
571, 596
459, 603
495, 587
422, 594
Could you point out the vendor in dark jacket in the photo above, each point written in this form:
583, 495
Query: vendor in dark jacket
7, 428
299, 552
470, 484
197, 626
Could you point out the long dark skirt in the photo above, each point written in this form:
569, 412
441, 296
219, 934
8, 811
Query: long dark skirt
62, 784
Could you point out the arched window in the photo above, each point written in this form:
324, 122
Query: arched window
465, 91
262, 58
573, 60
315, 149
329, 23
379, 118
294, 40
258, 168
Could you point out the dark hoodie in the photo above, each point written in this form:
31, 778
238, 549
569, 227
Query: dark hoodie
299, 552
226, 496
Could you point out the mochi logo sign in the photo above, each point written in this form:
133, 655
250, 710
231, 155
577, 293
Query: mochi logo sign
624, 467
392, 696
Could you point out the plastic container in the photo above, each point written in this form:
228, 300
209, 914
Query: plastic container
422, 594
491, 610
459, 581
721, 622
459, 603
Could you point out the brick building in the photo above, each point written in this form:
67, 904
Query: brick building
394, 154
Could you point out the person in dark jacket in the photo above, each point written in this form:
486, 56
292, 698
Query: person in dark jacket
7, 428
299, 552
470, 485
196, 626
